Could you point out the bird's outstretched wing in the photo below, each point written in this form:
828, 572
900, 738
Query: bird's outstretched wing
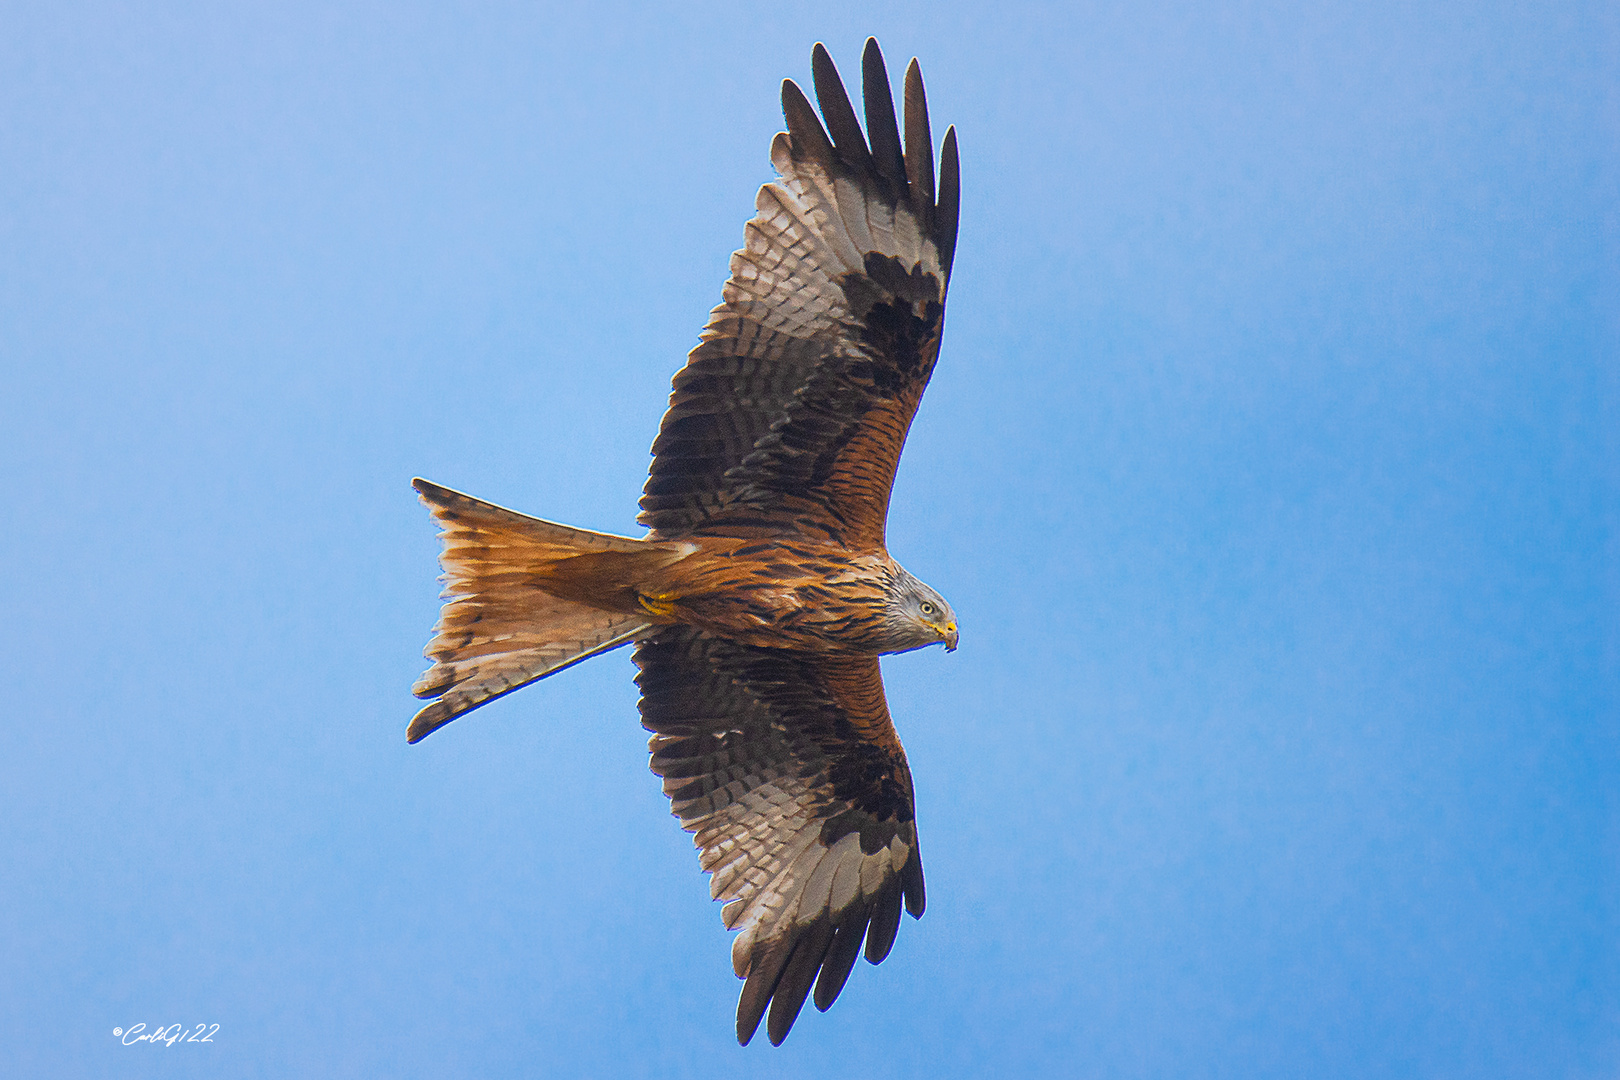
790, 416
787, 769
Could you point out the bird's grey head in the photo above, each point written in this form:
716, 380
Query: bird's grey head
915, 615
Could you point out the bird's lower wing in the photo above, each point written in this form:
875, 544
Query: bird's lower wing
786, 768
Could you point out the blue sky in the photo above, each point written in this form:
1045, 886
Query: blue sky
1271, 464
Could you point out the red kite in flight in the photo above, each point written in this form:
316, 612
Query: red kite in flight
763, 595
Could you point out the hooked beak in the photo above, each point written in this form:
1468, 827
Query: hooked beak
949, 635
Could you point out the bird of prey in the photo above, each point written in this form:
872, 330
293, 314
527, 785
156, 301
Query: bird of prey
763, 594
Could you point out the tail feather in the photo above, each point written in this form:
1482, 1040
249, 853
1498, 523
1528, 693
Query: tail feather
504, 624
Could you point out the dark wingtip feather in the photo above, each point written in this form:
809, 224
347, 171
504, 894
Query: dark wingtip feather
950, 200
796, 978
881, 131
919, 142
885, 923
433, 494
842, 953
911, 880
809, 137
764, 971
840, 114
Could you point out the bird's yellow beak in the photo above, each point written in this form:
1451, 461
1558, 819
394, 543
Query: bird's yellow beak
949, 635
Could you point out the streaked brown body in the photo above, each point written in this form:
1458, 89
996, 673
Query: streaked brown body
778, 594
763, 594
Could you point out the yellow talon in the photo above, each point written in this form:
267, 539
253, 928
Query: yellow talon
662, 604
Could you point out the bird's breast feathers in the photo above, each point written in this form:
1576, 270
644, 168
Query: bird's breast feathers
776, 594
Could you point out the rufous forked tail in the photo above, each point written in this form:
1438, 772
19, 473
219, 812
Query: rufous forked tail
524, 598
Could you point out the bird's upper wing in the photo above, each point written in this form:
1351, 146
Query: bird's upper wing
791, 413
787, 769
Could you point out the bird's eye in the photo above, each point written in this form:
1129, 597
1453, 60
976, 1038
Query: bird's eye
927, 608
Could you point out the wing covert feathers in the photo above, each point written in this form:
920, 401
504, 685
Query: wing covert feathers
786, 770
790, 415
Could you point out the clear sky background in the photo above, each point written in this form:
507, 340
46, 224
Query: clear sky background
1271, 463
